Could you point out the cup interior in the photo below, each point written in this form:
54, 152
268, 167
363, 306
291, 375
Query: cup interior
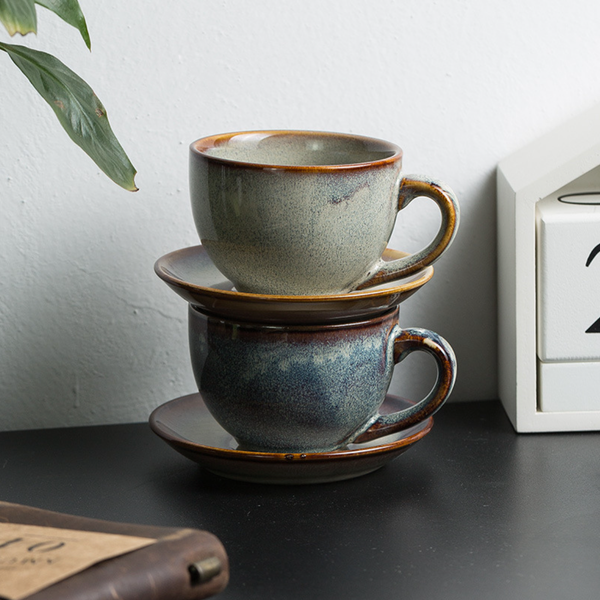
296, 148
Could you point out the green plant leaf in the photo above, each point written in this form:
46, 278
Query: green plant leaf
70, 12
18, 16
78, 109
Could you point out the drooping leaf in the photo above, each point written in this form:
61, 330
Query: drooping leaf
78, 109
70, 12
18, 16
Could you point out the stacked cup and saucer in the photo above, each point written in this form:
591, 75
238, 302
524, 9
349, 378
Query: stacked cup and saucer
294, 307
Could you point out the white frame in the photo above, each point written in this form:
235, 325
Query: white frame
536, 171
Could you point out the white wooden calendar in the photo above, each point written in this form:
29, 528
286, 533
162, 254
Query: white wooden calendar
549, 280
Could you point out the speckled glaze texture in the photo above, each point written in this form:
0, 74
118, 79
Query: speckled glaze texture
306, 213
308, 388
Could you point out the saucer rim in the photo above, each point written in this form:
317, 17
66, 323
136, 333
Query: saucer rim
420, 278
172, 438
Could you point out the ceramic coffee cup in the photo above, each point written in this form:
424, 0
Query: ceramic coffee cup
307, 213
309, 388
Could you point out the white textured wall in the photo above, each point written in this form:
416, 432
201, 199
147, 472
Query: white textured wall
88, 334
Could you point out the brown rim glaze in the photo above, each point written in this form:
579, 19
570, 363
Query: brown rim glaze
389, 314
201, 146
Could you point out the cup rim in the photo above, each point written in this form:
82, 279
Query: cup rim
386, 314
202, 145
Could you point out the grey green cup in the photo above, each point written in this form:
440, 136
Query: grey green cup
307, 213
309, 388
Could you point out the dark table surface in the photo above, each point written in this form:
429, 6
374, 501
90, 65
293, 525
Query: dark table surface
474, 510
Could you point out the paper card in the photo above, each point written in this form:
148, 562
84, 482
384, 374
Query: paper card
33, 558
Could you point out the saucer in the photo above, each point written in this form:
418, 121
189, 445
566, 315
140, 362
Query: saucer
192, 274
187, 426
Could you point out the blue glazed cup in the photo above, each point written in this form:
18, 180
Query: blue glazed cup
309, 388
307, 213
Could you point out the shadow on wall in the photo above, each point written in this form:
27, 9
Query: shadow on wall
460, 303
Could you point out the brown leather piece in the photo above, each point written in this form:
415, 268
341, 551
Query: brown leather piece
159, 571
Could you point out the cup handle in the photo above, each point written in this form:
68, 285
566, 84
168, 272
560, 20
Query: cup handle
410, 340
413, 187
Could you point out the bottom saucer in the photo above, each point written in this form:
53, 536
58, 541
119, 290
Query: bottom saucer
187, 426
